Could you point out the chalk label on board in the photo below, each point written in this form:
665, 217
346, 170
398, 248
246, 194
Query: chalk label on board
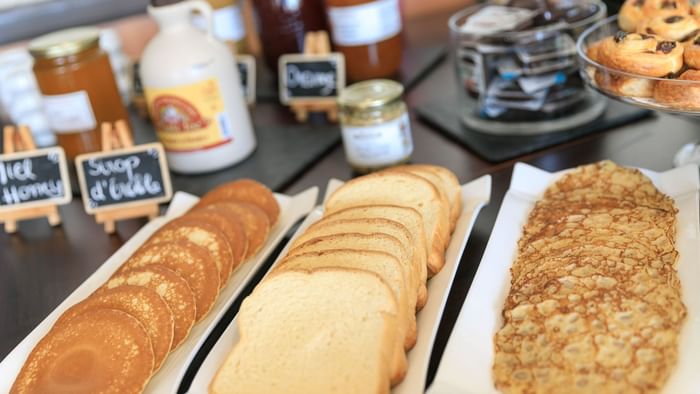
311, 77
34, 178
132, 175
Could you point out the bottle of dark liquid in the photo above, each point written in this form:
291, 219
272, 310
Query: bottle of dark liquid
283, 24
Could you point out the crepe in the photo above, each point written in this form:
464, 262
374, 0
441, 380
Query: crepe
595, 300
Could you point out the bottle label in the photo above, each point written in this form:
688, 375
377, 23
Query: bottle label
69, 113
366, 23
189, 117
228, 23
377, 145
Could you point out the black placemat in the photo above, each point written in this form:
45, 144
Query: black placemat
283, 153
444, 116
416, 64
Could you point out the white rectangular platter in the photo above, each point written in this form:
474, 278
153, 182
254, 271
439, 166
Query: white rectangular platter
475, 195
168, 378
466, 364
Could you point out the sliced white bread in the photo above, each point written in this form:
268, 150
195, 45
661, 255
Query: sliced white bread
409, 218
319, 331
331, 226
383, 264
449, 184
402, 189
436, 181
377, 242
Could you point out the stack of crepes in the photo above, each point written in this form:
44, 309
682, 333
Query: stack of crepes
595, 299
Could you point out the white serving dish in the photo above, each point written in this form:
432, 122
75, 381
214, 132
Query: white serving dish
167, 379
475, 195
466, 363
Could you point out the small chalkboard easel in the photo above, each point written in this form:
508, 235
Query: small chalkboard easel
316, 43
119, 137
20, 140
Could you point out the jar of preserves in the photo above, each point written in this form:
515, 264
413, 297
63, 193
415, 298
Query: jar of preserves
284, 23
375, 125
78, 87
368, 33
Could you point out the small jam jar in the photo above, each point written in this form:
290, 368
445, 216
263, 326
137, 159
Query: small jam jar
375, 125
78, 87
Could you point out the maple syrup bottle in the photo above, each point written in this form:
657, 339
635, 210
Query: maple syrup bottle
194, 99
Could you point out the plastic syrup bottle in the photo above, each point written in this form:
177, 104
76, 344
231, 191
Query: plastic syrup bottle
193, 91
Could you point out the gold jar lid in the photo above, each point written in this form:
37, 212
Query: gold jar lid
64, 42
371, 94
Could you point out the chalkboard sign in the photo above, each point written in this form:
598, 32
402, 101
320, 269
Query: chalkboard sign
123, 177
246, 71
306, 77
34, 178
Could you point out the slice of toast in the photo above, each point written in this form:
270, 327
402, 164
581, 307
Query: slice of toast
402, 189
319, 331
449, 184
377, 242
409, 218
382, 264
325, 227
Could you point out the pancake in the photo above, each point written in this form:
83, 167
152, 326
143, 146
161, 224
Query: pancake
245, 190
169, 285
97, 351
255, 222
200, 233
230, 226
191, 261
604, 181
142, 303
550, 218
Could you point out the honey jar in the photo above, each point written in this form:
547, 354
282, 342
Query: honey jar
78, 88
375, 126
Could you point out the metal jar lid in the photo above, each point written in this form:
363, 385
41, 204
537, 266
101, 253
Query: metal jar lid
371, 94
66, 42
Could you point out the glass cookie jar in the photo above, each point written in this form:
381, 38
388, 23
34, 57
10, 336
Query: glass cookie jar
375, 126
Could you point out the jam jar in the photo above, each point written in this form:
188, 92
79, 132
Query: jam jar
375, 125
78, 87
368, 33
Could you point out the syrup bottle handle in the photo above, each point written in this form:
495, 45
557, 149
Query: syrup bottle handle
206, 12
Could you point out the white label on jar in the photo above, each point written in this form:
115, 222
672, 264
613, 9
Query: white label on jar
228, 23
70, 112
366, 23
377, 145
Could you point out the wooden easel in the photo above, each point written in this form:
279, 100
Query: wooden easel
316, 43
20, 140
119, 137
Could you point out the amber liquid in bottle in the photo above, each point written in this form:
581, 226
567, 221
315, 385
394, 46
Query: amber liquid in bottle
377, 59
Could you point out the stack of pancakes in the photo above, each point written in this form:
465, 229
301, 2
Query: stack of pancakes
115, 339
595, 300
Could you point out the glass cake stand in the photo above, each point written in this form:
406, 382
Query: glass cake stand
592, 73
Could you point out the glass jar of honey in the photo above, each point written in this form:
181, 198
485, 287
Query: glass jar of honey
375, 126
78, 87
368, 33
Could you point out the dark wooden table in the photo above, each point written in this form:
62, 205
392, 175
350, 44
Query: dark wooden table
40, 266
